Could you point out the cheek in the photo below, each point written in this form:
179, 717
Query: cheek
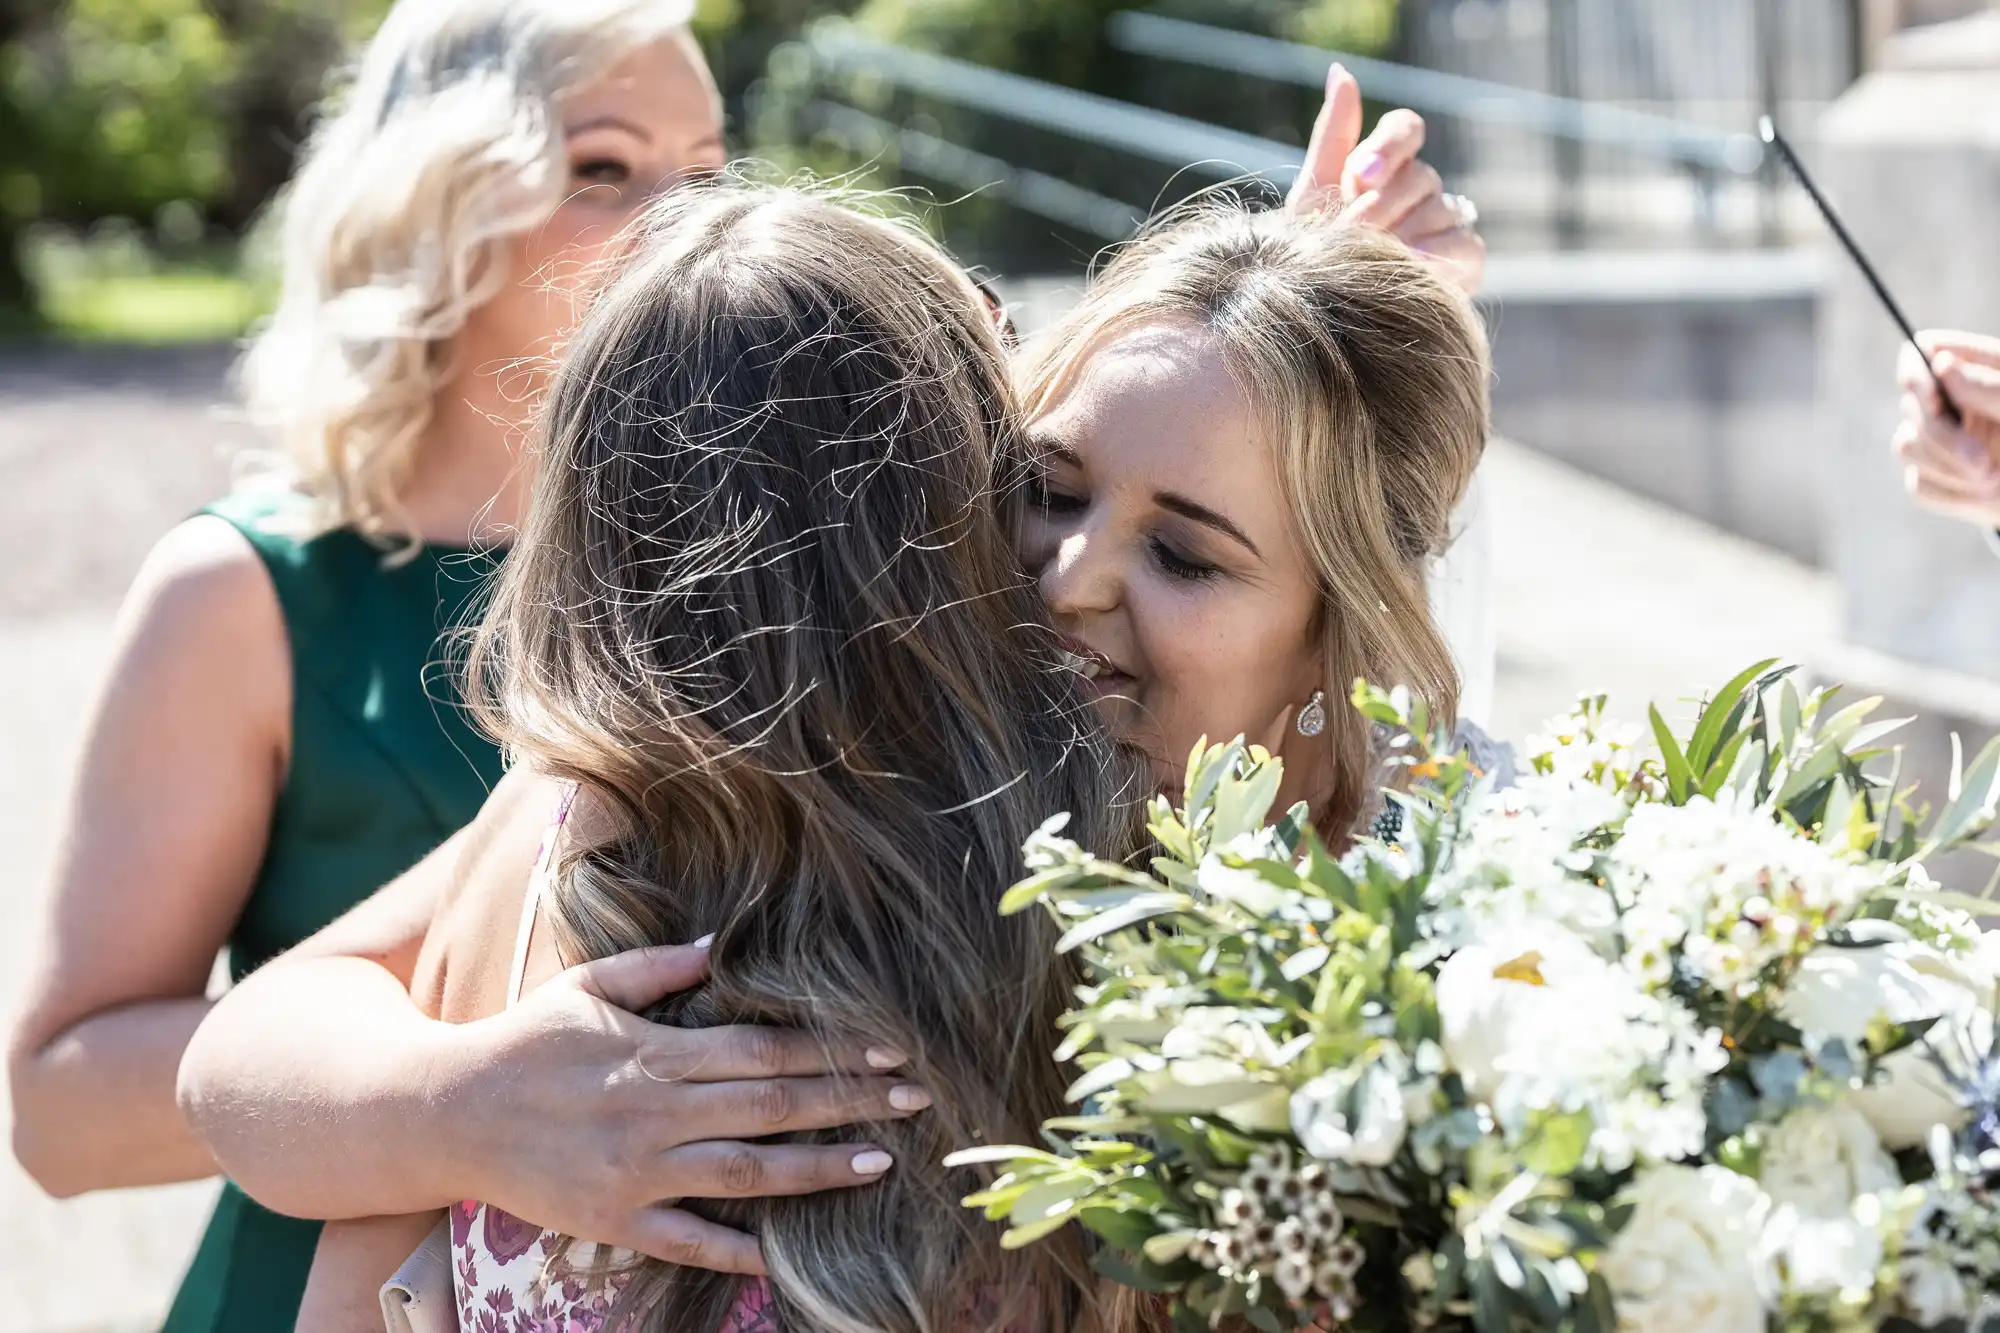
1223, 659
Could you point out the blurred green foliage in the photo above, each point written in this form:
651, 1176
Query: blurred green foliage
182, 117
1058, 41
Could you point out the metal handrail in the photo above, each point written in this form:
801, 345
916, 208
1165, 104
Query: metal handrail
1178, 141
1032, 191
1155, 35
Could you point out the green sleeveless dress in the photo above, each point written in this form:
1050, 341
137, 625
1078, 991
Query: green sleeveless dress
385, 765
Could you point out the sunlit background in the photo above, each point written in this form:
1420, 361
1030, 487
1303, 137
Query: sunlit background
1694, 390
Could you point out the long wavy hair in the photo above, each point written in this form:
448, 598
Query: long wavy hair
1370, 374
765, 609
446, 145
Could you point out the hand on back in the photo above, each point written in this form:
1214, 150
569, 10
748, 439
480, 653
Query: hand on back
592, 1122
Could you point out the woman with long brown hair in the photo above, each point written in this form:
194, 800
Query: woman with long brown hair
765, 620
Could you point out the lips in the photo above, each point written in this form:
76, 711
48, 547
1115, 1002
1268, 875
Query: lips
1100, 672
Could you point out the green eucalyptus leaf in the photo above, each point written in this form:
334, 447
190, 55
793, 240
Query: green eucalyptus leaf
1049, 1198
1016, 1237
1001, 1152
1097, 1124
1100, 1078
1127, 1228
1241, 803
1820, 765
1206, 772
1263, 1319
1724, 765
1833, 822
1838, 730
1199, 1098
1305, 962
1031, 890
1790, 717
1875, 731
1292, 828
1142, 907
1139, 1276
1957, 902
1556, 1144
1973, 807
1722, 710
1679, 776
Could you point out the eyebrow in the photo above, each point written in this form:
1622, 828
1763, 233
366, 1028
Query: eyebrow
1167, 500
1205, 516
607, 122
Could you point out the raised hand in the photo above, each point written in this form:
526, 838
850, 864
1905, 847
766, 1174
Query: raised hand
1380, 182
1950, 467
592, 1122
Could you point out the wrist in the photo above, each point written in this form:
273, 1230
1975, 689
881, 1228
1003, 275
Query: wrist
446, 1116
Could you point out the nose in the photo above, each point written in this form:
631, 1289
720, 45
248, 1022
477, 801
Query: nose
1081, 577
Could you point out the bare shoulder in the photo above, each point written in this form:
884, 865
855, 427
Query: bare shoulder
202, 613
468, 956
205, 569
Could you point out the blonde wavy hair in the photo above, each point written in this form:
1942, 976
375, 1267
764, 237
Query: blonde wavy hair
1370, 373
446, 144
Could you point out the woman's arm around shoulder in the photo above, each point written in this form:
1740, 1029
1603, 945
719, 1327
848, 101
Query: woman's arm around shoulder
160, 839
321, 1085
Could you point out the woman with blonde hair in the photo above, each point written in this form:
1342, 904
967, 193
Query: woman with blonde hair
567, 1108
279, 735
768, 621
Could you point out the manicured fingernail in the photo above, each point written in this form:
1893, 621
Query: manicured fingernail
704, 941
1371, 168
909, 1097
1334, 72
886, 1057
872, 1163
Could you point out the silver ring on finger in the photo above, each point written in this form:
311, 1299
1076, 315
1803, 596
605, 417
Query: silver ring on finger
1463, 209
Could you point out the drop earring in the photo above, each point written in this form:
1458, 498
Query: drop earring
1312, 718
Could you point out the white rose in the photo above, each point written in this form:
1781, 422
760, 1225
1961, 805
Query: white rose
1819, 1158
1932, 1290
1821, 1256
1838, 992
1501, 1002
1684, 1262
1357, 1118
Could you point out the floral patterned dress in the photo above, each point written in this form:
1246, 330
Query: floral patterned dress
513, 1277
510, 1276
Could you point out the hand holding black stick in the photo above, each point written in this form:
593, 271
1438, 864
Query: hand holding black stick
1768, 131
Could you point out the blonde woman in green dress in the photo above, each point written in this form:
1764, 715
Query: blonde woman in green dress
278, 735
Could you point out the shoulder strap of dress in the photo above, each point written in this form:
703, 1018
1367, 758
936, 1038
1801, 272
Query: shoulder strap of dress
544, 865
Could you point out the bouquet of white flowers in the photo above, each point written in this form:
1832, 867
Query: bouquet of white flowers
1674, 1040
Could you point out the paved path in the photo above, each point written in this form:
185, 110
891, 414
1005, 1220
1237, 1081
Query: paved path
100, 454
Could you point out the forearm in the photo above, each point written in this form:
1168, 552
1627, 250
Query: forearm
94, 1107
323, 1091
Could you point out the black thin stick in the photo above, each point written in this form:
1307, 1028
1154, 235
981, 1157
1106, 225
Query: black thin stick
1768, 131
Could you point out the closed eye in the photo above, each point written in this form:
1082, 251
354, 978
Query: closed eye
1053, 499
1179, 566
